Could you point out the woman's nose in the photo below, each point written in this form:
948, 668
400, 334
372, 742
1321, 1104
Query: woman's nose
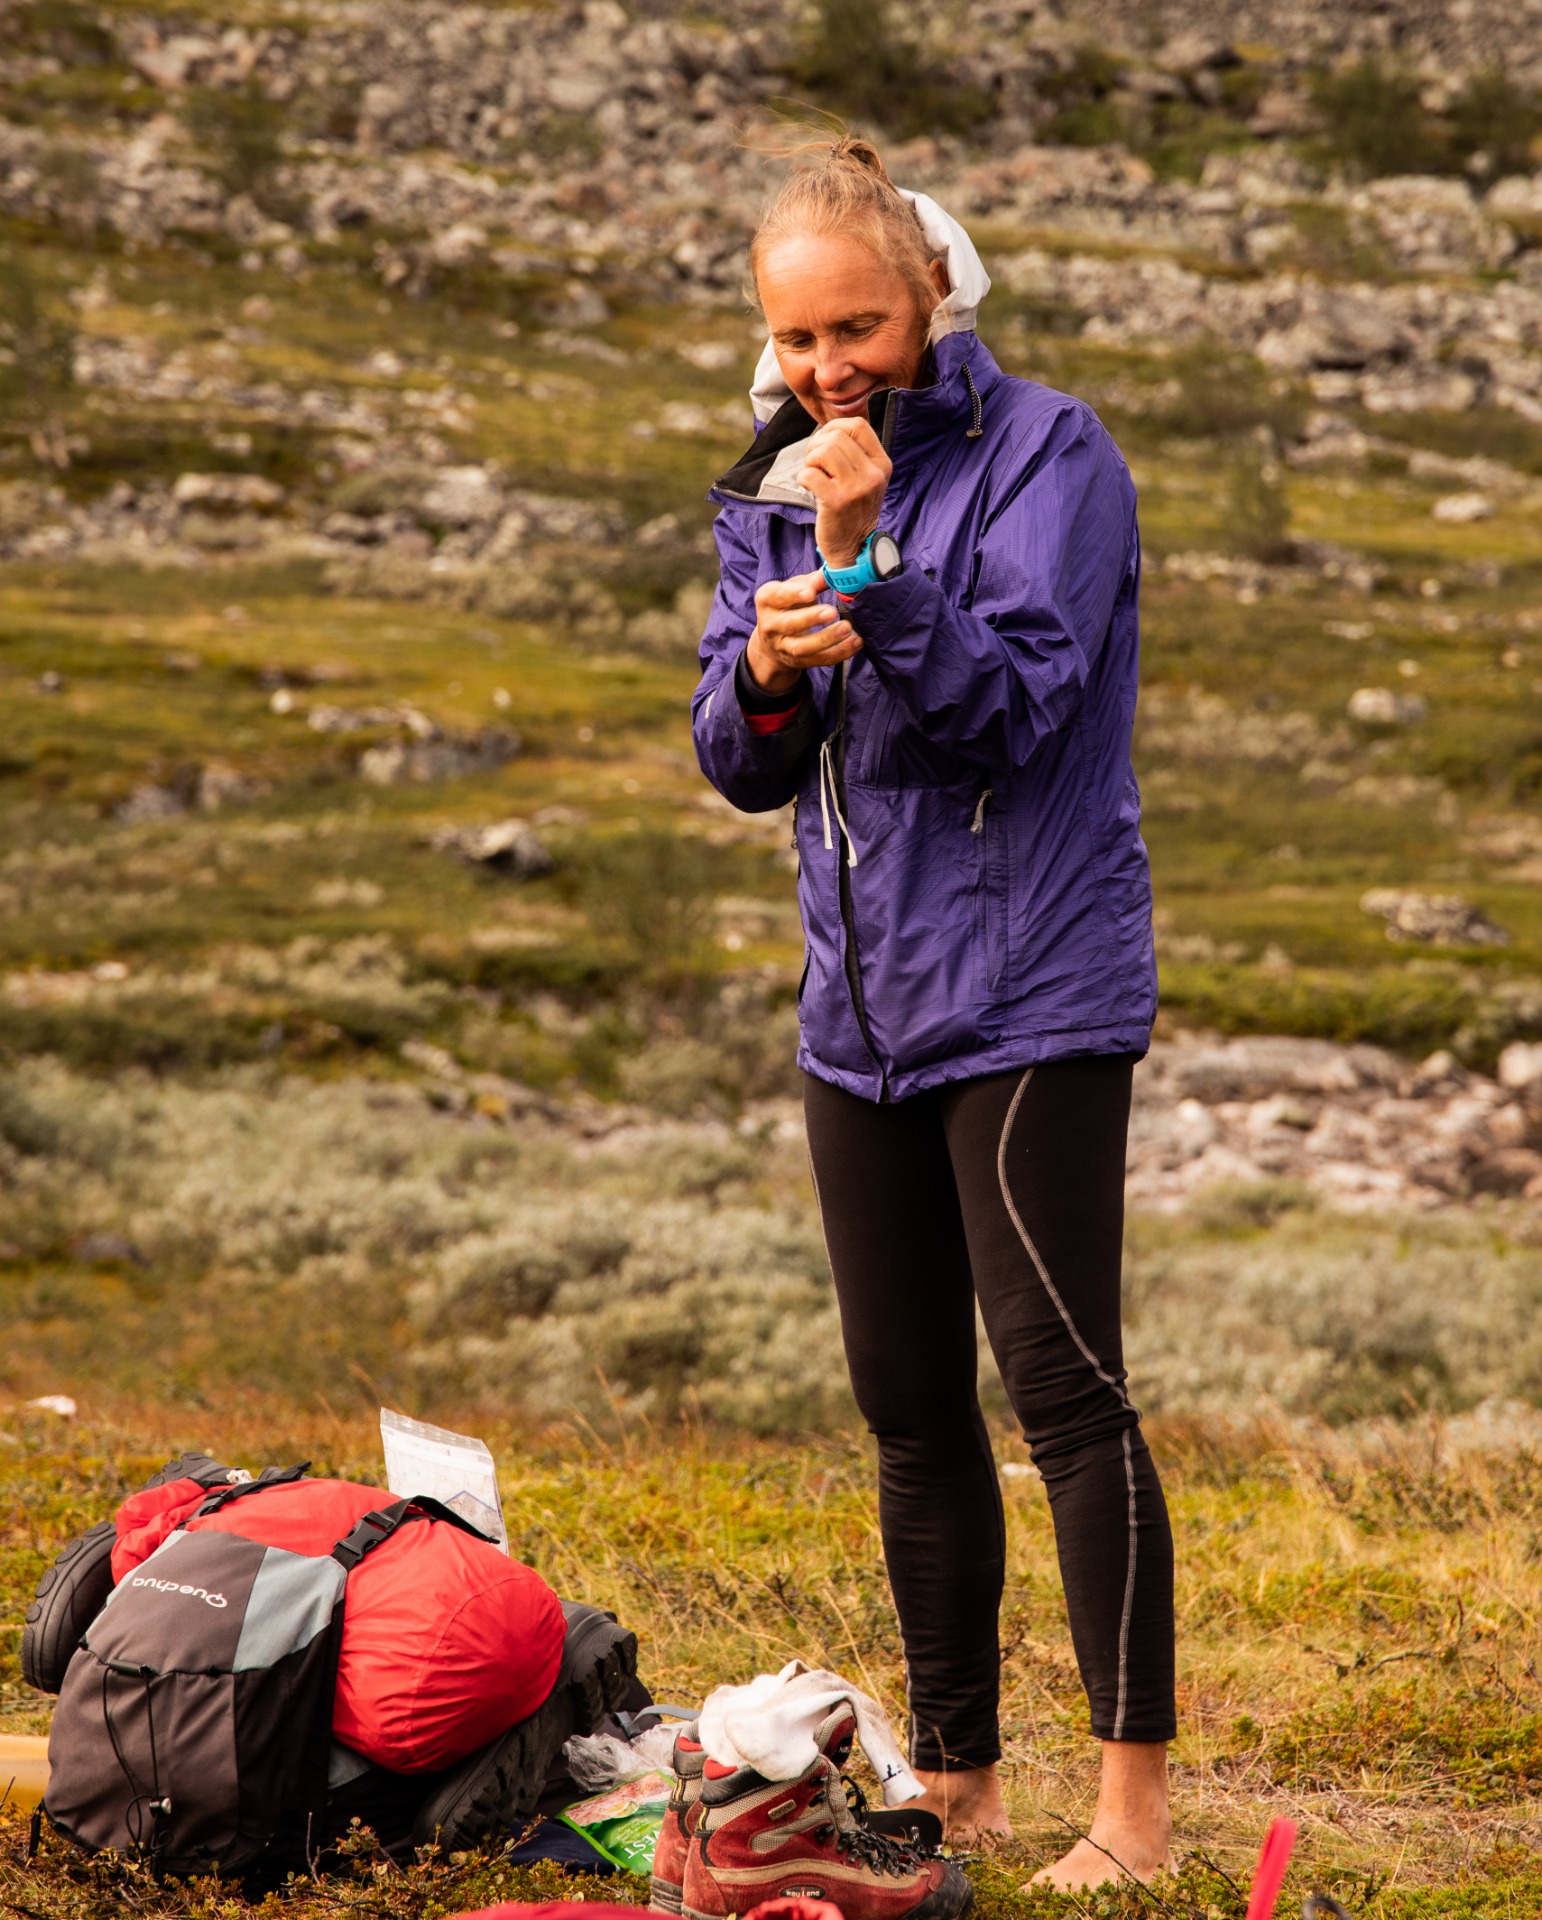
831, 365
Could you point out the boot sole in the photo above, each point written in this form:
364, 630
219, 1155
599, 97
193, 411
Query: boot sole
599, 1663
665, 1897
496, 1790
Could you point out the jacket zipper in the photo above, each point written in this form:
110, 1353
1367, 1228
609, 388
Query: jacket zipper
848, 911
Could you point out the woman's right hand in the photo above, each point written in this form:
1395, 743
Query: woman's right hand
795, 631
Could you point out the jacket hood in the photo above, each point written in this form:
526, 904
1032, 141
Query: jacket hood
968, 284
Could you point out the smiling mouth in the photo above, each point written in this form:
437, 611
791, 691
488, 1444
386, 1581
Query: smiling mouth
858, 404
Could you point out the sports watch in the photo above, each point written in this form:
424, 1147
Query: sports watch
878, 559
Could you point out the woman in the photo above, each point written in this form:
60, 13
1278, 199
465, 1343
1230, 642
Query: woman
953, 723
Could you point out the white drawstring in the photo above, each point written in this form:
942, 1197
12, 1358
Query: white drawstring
832, 805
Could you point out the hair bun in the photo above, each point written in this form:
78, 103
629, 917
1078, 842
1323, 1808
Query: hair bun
849, 150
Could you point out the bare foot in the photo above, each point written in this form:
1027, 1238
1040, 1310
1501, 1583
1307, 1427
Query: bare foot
1131, 1831
968, 1802
1091, 1863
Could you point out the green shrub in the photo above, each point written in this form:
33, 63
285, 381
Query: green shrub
1495, 116
68, 30
242, 134
1222, 396
37, 357
858, 58
1374, 120
1085, 114
650, 891
1409, 1011
1257, 511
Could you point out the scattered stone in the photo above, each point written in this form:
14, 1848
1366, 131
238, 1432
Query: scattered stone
149, 802
712, 356
222, 786
1386, 707
1460, 509
326, 718
1520, 1065
1506, 1170
509, 846
50, 682
463, 497
1435, 919
246, 492
59, 1404
1352, 1127
346, 893
423, 762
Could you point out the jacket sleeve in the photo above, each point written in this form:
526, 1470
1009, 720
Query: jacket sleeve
996, 680
756, 771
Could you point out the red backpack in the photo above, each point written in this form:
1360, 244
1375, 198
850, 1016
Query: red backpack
446, 1640
194, 1724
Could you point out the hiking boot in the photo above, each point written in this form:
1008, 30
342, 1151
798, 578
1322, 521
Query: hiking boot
496, 1789
689, 1759
759, 1839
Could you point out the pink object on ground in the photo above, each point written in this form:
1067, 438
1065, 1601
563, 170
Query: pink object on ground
1269, 1874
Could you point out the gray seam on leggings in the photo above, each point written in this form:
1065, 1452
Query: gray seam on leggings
1092, 1360
1129, 1594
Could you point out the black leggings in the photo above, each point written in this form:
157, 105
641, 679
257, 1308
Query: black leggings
1010, 1187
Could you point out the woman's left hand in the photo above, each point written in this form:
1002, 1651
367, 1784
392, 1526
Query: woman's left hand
847, 471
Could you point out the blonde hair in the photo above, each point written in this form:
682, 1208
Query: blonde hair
844, 188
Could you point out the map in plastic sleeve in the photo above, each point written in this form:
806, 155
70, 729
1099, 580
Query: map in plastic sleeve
623, 1822
449, 1467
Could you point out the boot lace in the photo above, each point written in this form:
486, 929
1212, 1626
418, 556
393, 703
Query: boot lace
875, 1851
851, 1837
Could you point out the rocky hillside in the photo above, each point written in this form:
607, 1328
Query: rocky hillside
364, 368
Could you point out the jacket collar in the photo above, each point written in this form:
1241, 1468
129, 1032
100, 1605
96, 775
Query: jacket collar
910, 421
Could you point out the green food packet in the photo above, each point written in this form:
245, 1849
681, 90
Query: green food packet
623, 1822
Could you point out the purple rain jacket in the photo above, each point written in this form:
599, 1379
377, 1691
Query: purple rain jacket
974, 888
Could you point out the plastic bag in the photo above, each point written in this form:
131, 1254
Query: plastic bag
598, 1761
452, 1467
623, 1824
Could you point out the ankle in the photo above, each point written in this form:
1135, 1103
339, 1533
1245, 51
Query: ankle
967, 1800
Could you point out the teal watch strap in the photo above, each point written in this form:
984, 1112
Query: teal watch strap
858, 575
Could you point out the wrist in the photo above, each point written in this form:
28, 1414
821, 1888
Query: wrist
766, 670
843, 553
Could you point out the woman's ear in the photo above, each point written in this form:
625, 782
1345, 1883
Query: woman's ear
940, 279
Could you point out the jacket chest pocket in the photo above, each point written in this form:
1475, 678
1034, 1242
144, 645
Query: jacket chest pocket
877, 765
990, 830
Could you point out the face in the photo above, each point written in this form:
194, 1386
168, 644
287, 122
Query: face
843, 323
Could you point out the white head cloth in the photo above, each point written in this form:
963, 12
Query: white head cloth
769, 1725
968, 284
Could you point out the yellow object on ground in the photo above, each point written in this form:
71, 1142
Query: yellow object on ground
24, 1767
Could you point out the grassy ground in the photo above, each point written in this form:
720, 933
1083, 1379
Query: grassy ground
1358, 1632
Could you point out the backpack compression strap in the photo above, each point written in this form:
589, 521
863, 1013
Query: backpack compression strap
269, 1477
368, 1533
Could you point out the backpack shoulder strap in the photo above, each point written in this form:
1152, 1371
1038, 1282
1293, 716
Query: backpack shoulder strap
367, 1533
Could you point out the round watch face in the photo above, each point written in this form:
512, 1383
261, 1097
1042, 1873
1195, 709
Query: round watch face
885, 556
